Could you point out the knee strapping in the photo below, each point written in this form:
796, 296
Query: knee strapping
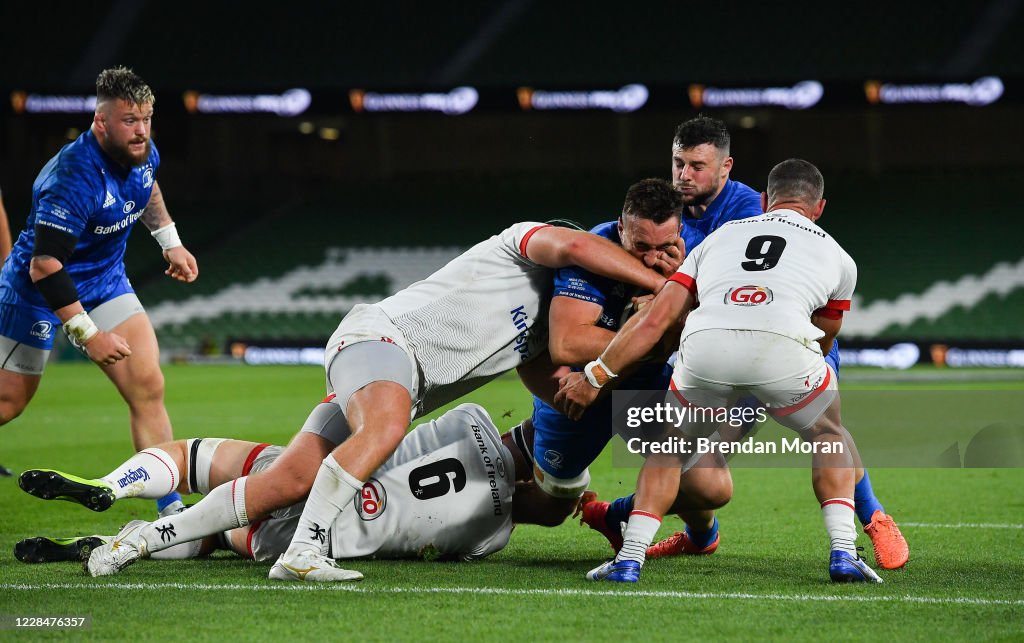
561, 487
200, 460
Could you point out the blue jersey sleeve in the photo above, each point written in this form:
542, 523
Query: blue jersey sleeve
67, 198
579, 284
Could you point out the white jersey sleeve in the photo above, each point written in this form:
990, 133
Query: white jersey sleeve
768, 273
447, 491
481, 315
843, 294
686, 274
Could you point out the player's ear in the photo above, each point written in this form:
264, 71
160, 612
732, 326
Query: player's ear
99, 118
620, 227
727, 164
764, 202
818, 210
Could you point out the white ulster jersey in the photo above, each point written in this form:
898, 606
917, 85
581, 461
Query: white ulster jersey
768, 273
491, 302
446, 490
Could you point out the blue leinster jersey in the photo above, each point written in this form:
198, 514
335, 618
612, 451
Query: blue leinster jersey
564, 448
612, 296
82, 192
735, 201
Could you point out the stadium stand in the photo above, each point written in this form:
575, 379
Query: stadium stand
641, 43
383, 45
66, 39
993, 318
950, 267
361, 52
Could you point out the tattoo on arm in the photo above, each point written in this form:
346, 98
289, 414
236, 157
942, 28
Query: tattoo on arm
155, 215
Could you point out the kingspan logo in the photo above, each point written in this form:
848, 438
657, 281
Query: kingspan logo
133, 475
521, 321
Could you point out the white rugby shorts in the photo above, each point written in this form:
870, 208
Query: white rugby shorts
716, 367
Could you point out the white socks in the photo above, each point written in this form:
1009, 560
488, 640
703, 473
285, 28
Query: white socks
838, 514
220, 510
150, 473
184, 551
639, 534
332, 490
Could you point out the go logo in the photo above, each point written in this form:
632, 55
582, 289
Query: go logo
749, 296
372, 500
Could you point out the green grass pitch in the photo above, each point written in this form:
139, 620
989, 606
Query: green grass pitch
768, 578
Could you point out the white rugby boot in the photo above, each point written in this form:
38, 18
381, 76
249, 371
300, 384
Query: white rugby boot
312, 567
126, 547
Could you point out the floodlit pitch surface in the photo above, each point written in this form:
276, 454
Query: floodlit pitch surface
768, 578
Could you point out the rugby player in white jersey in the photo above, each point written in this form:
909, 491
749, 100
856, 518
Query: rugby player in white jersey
447, 492
772, 291
478, 317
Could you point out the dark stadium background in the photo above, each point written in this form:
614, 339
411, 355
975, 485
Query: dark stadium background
918, 192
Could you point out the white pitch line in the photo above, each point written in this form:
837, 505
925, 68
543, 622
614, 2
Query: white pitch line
290, 587
961, 525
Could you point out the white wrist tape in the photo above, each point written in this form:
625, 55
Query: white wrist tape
598, 374
607, 370
167, 236
81, 328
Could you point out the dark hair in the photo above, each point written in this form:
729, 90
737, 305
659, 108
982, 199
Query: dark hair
123, 83
701, 130
797, 180
653, 199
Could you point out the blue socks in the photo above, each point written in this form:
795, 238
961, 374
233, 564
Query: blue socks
865, 501
170, 498
703, 538
618, 512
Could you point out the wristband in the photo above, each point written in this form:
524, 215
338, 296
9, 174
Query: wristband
81, 328
167, 236
598, 374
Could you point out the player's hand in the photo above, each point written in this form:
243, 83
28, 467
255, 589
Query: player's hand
574, 395
183, 266
588, 496
668, 261
107, 348
640, 302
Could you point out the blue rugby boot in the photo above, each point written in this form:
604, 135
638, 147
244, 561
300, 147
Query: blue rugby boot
624, 571
844, 568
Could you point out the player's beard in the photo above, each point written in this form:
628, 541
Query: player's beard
124, 155
697, 198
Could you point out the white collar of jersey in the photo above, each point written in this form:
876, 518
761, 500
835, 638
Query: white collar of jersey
783, 212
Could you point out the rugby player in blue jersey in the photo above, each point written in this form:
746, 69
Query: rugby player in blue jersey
586, 311
701, 165
67, 266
